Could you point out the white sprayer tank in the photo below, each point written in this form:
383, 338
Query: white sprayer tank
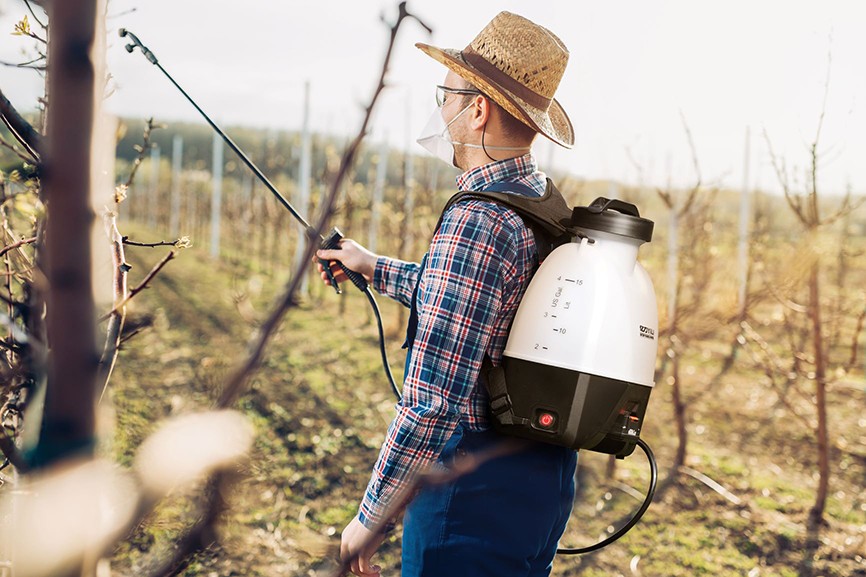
579, 364
590, 308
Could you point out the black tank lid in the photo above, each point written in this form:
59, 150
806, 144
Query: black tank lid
613, 216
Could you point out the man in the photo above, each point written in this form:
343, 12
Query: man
504, 517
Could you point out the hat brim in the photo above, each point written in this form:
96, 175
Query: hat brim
553, 123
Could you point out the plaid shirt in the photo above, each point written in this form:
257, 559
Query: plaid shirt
478, 267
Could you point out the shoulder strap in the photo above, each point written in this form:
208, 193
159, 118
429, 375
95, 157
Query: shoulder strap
548, 215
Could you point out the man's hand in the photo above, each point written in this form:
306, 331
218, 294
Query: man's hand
358, 546
353, 256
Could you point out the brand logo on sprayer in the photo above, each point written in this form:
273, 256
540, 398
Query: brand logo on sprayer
647, 332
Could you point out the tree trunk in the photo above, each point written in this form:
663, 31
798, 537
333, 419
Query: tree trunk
69, 415
816, 514
679, 414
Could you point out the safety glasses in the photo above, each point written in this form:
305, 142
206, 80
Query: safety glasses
441, 91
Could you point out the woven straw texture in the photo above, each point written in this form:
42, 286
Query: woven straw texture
530, 58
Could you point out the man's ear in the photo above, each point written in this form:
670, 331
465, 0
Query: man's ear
480, 112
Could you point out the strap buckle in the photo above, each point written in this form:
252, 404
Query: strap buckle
500, 404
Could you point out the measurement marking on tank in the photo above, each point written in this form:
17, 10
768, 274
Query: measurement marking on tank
578, 281
569, 280
545, 348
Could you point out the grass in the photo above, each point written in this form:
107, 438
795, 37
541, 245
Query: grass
320, 406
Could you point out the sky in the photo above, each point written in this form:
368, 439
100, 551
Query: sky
643, 75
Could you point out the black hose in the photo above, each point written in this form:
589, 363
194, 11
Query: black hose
382, 350
654, 476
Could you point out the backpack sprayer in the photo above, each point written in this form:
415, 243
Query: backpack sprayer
579, 362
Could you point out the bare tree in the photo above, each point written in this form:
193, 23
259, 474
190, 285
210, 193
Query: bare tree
811, 343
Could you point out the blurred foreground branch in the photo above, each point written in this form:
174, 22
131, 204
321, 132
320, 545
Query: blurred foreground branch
201, 534
236, 382
20, 128
463, 465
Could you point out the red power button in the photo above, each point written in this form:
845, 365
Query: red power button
546, 420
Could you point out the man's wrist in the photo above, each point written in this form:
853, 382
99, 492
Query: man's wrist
372, 525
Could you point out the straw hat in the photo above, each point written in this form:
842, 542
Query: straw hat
518, 64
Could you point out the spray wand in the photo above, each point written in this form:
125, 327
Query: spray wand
331, 241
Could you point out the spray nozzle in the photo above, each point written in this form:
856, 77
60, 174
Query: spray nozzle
134, 41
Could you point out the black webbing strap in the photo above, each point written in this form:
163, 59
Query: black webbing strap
500, 403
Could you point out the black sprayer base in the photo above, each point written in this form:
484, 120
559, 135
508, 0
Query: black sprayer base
574, 409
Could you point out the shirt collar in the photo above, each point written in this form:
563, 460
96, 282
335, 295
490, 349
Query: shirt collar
506, 170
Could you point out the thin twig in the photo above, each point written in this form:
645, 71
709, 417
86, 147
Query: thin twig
693, 193
142, 151
35, 17
175, 243
18, 244
16, 152
140, 287
118, 315
711, 484
29, 64
855, 340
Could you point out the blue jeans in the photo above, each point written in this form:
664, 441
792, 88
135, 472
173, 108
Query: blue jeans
504, 518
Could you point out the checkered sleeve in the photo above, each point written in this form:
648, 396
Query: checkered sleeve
396, 279
470, 264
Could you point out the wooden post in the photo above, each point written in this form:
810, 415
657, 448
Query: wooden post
378, 195
176, 162
303, 200
153, 194
217, 196
743, 244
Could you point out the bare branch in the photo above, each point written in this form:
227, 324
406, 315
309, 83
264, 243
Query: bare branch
20, 128
29, 64
35, 17
18, 244
432, 477
237, 380
182, 242
17, 152
791, 198
201, 534
771, 367
855, 340
142, 150
690, 198
813, 149
118, 315
848, 206
140, 286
